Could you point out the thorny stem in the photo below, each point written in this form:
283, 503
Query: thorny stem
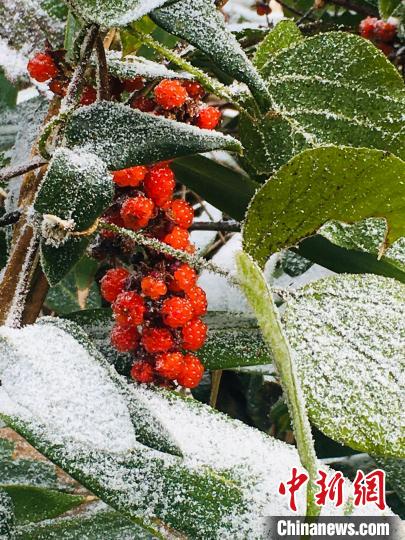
193, 260
222, 226
103, 84
210, 84
12, 172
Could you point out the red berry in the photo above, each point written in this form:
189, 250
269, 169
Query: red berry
367, 27
194, 89
191, 373
153, 287
132, 176
263, 9
42, 67
385, 31
159, 184
144, 104
89, 95
57, 87
129, 308
177, 311
198, 300
142, 372
194, 334
134, 84
170, 365
181, 212
136, 212
179, 238
124, 338
184, 278
113, 282
157, 340
208, 118
170, 94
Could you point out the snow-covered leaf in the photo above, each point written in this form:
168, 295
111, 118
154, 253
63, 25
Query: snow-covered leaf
76, 187
202, 25
334, 88
32, 504
284, 34
6, 516
57, 262
395, 471
347, 336
387, 7
130, 67
124, 137
8, 93
109, 13
225, 188
323, 184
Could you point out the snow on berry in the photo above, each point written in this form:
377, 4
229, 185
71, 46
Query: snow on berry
208, 118
113, 283
170, 94
137, 212
153, 287
130, 177
124, 338
198, 300
194, 334
184, 278
170, 365
194, 89
178, 238
129, 308
192, 372
177, 311
157, 340
159, 184
89, 95
42, 67
142, 372
181, 213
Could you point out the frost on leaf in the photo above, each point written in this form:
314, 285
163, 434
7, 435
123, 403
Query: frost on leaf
323, 184
201, 24
130, 67
284, 34
109, 13
6, 516
348, 339
334, 88
124, 137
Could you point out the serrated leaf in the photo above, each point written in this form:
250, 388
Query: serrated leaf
32, 504
202, 25
225, 188
57, 262
347, 336
334, 88
323, 184
130, 67
124, 137
387, 7
76, 186
109, 13
284, 34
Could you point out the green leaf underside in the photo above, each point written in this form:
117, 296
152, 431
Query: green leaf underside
130, 67
104, 524
284, 34
33, 504
124, 137
109, 13
227, 189
331, 183
201, 24
320, 97
57, 262
233, 339
347, 336
76, 186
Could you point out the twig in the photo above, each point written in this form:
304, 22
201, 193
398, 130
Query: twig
18, 170
103, 83
10, 218
306, 15
222, 226
216, 377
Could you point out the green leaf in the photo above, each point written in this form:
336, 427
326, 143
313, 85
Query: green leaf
395, 471
8, 93
225, 188
204, 26
6, 516
124, 137
32, 504
110, 13
345, 332
334, 88
387, 7
6, 449
57, 262
26, 471
104, 524
130, 67
323, 184
284, 34
76, 186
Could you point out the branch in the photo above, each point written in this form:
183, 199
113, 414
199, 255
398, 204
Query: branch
222, 226
103, 82
18, 170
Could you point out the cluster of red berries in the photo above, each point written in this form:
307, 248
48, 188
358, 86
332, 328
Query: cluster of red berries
157, 307
382, 33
